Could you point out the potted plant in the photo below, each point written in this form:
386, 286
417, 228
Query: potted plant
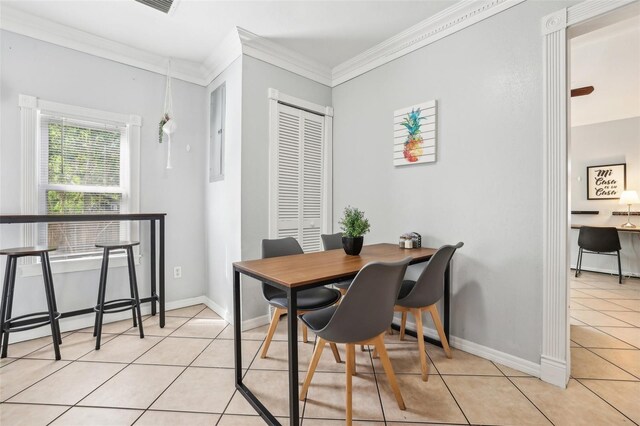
354, 225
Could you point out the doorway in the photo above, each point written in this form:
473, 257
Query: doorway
558, 28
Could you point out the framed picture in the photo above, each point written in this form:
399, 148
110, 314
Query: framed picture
606, 182
414, 134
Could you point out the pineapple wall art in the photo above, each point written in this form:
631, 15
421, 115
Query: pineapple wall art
414, 134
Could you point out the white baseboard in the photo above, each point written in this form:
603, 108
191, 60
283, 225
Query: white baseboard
503, 358
228, 315
554, 371
224, 313
608, 271
83, 321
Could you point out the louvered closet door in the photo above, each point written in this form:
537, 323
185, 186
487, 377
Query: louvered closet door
299, 176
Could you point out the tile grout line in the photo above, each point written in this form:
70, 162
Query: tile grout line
235, 391
615, 365
123, 333
449, 390
523, 394
607, 402
375, 378
78, 360
185, 367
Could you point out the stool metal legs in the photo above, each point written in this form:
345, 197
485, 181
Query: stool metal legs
7, 297
134, 288
102, 289
48, 289
27, 322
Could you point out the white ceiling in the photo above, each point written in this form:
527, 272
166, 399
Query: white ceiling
330, 32
609, 60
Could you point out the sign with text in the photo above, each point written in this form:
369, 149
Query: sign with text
606, 182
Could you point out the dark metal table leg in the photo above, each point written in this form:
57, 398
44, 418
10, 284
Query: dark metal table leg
161, 273
152, 251
447, 299
237, 332
292, 318
237, 349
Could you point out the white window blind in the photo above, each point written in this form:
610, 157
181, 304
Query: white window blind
299, 176
83, 169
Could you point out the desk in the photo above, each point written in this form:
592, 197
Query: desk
300, 272
151, 217
620, 229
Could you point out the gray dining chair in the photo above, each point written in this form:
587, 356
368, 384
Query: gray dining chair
334, 242
422, 295
308, 300
361, 318
599, 240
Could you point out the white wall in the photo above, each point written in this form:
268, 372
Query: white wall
612, 142
485, 188
257, 78
609, 60
222, 198
53, 73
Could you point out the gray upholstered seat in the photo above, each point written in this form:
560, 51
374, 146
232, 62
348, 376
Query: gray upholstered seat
363, 316
334, 242
308, 300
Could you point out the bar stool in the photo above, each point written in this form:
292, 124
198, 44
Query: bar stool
118, 305
34, 320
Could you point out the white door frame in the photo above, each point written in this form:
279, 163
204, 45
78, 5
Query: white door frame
275, 97
555, 365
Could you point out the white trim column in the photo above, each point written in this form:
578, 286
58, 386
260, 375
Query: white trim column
554, 362
29, 151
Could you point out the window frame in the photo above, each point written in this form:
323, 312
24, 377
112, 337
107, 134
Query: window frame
31, 111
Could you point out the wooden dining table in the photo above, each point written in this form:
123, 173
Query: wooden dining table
295, 273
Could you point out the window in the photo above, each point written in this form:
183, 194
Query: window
77, 160
81, 172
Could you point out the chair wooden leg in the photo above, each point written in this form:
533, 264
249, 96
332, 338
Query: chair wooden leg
304, 333
272, 329
388, 369
443, 338
353, 360
336, 354
403, 324
424, 366
349, 373
317, 353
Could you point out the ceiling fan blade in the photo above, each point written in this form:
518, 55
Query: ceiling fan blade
582, 91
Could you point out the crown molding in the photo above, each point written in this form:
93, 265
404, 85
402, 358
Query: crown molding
275, 54
227, 52
450, 20
32, 26
240, 41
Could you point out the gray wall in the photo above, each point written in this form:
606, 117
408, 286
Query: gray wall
63, 75
222, 198
257, 78
485, 188
611, 142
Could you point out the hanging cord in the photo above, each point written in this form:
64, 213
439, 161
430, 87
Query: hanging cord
168, 102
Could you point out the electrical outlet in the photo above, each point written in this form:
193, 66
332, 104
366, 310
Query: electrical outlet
177, 272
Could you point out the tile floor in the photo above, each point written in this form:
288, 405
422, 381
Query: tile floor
183, 374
